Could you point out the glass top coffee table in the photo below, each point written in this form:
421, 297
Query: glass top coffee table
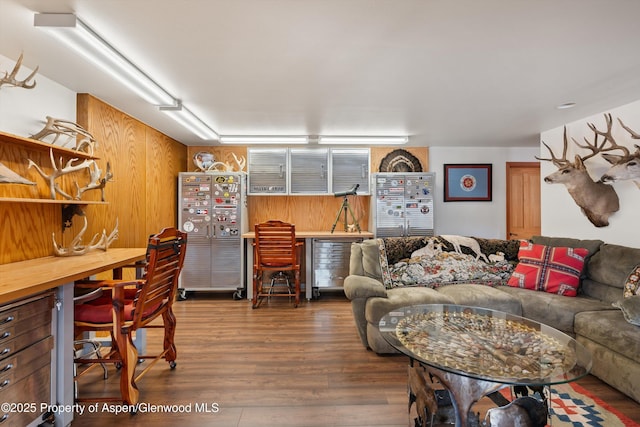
475, 351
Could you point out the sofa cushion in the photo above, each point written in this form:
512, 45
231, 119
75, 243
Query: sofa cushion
599, 325
551, 269
632, 284
630, 309
402, 297
370, 259
554, 310
482, 296
598, 290
355, 260
612, 264
593, 246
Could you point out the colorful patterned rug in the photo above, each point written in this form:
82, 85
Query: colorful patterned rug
574, 406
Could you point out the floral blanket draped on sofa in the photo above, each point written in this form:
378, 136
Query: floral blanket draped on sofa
403, 266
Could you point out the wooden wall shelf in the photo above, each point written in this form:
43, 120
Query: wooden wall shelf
50, 201
7, 138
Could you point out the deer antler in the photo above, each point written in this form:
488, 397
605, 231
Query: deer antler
71, 130
58, 172
77, 248
608, 137
559, 162
634, 135
95, 182
10, 79
241, 162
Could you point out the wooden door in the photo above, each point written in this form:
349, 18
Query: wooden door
523, 199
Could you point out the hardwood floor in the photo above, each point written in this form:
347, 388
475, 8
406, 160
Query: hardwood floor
274, 366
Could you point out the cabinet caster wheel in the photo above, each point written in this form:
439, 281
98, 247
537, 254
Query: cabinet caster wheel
172, 364
118, 365
182, 294
237, 295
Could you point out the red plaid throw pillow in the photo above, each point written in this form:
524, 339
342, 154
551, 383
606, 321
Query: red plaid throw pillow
546, 268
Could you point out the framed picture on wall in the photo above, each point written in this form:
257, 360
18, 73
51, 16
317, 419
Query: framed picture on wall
467, 182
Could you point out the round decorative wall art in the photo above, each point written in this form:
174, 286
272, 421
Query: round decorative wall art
400, 161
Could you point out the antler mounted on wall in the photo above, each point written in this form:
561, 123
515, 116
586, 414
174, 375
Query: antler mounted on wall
12, 80
76, 247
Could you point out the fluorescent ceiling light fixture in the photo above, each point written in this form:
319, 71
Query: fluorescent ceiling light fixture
186, 118
272, 139
371, 140
76, 34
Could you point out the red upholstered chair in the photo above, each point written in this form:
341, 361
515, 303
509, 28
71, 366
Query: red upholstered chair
127, 306
275, 250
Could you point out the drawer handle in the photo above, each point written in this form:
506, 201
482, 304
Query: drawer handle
8, 367
6, 335
4, 418
5, 351
4, 383
7, 320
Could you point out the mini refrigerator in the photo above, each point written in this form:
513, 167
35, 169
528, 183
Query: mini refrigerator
212, 210
402, 204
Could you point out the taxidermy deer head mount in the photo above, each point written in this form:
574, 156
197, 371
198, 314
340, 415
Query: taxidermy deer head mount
597, 200
625, 166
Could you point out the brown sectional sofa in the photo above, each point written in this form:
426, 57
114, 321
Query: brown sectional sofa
590, 317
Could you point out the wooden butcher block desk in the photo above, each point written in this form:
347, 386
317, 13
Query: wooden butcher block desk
28, 291
26, 278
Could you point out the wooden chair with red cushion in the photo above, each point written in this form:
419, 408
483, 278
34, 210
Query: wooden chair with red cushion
275, 249
127, 306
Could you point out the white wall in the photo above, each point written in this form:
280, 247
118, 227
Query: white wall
479, 219
23, 111
560, 215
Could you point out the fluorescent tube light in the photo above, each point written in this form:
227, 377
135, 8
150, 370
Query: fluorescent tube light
371, 140
186, 118
76, 34
248, 139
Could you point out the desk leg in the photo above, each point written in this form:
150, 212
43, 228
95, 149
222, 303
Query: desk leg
248, 267
464, 392
308, 271
64, 353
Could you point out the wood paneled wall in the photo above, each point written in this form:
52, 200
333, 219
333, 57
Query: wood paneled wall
142, 196
145, 165
308, 213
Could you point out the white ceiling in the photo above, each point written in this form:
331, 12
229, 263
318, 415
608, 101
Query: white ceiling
445, 72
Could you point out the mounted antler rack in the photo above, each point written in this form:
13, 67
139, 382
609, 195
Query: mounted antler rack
12, 80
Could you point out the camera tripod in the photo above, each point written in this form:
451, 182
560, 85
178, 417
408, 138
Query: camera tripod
344, 208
